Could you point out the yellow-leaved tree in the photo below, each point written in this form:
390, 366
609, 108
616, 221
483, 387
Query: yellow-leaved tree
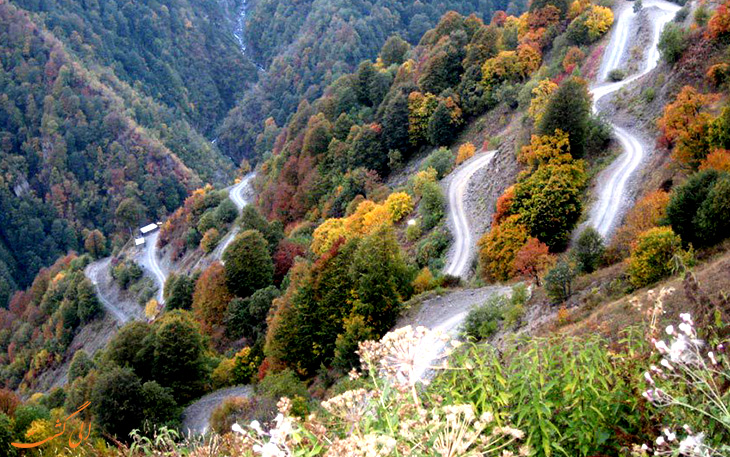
599, 20
466, 152
399, 205
540, 98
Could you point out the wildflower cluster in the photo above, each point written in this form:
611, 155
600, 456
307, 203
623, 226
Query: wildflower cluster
655, 310
386, 417
406, 355
691, 377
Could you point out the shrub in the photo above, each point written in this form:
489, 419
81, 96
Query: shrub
246, 365
240, 410
432, 205
653, 256
466, 152
589, 250
210, 240
514, 313
616, 74
424, 281
441, 160
208, 221
672, 42
151, 309
559, 281
421, 179
222, 376
413, 231
399, 205
484, 320
282, 384
432, 247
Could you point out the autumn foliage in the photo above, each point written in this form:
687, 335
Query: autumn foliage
532, 260
646, 214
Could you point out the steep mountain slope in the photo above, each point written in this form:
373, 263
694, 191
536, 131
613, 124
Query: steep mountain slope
307, 44
182, 53
76, 144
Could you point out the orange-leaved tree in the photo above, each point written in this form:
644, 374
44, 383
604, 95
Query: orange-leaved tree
532, 260
498, 248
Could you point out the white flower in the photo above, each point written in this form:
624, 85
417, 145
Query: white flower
662, 346
238, 429
676, 350
411, 222
686, 318
660, 441
648, 378
712, 357
671, 436
665, 363
271, 450
691, 444
686, 328
670, 330
257, 427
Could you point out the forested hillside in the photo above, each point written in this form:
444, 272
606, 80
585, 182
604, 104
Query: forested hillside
81, 150
181, 52
306, 45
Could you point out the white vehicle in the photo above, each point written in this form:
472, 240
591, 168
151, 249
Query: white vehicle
147, 229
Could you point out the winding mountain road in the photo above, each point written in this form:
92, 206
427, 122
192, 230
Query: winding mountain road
462, 252
613, 182
154, 266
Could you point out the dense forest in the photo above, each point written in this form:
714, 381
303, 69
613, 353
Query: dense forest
576, 344
181, 53
81, 150
306, 45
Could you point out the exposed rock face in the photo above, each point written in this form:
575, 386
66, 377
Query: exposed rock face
487, 186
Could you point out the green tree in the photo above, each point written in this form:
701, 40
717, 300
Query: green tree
346, 345
6, 435
179, 292
549, 202
589, 249
87, 304
685, 203
367, 150
713, 216
381, 279
363, 79
432, 205
394, 51
158, 405
652, 259
441, 127
569, 110
395, 124
95, 244
559, 281
247, 316
251, 219
179, 356
672, 42
81, 365
117, 403
226, 212
133, 347
129, 213
248, 265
